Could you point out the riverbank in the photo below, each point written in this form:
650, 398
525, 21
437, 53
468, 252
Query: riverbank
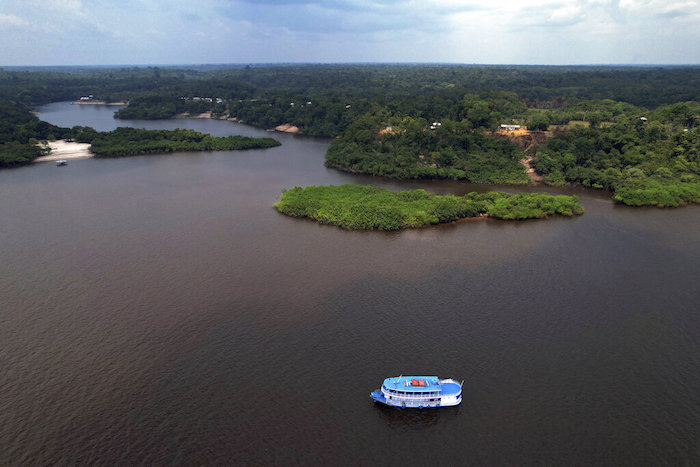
287, 128
99, 103
62, 149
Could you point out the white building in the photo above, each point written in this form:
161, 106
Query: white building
510, 127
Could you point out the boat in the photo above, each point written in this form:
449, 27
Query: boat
61, 162
419, 392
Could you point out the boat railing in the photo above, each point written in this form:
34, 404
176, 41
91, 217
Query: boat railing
413, 397
451, 381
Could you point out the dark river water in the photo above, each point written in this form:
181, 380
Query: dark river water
158, 310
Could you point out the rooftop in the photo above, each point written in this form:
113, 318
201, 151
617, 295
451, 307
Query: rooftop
412, 383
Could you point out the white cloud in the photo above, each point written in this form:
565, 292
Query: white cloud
12, 20
566, 14
660, 7
56, 5
466, 31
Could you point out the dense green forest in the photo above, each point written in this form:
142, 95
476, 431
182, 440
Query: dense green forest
370, 208
324, 99
155, 107
630, 130
406, 147
126, 141
642, 86
644, 160
20, 134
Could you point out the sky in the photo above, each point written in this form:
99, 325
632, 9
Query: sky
162, 32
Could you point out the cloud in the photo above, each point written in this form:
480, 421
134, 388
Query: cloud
464, 31
11, 20
661, 8
359, 16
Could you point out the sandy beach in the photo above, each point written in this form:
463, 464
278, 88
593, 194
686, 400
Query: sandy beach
62, 149
189, 115
287, 128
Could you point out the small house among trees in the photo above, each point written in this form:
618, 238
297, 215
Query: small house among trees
510, 127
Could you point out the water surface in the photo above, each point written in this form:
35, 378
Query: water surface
157, 309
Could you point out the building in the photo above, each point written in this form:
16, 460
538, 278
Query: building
510, 127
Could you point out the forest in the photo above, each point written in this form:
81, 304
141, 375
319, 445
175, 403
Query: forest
642, 158
630, 130
125, 141
22, 135
357, 207
406, 147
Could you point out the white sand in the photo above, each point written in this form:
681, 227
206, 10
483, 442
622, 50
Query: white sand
287, 128
61, 149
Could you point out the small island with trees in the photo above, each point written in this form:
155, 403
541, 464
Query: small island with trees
357, 207
125, 141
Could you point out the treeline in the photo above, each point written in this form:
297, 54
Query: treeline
37, 86
267, 96
648, 160
20, 134
407, 147
133, 141
157, 107
642, 86
370, 208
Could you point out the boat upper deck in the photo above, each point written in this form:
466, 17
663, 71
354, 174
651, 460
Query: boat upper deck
413, 383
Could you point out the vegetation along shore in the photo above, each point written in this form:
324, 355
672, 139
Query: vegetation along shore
25, 139
632, 131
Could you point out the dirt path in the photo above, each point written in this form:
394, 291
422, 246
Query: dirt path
530, 170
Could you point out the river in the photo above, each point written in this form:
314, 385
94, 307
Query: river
158, 310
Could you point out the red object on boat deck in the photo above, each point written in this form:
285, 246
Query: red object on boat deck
414, 382
421, 382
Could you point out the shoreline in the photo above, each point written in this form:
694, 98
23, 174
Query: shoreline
288, 128
99, 103
62, 149
284, 128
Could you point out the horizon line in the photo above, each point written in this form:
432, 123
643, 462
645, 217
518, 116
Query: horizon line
270, 64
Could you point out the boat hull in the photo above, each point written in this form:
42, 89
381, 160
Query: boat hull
447, 402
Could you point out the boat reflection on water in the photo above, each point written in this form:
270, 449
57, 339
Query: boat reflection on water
402, 419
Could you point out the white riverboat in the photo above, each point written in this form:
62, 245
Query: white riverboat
418, 392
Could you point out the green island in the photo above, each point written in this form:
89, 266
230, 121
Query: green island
358, 207
126, 141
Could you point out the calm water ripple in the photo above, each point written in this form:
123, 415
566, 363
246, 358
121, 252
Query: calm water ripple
158, 310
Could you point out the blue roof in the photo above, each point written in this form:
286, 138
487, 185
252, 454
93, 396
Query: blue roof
450, 388
403, 383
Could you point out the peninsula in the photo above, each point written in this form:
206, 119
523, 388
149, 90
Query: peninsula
125, 141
